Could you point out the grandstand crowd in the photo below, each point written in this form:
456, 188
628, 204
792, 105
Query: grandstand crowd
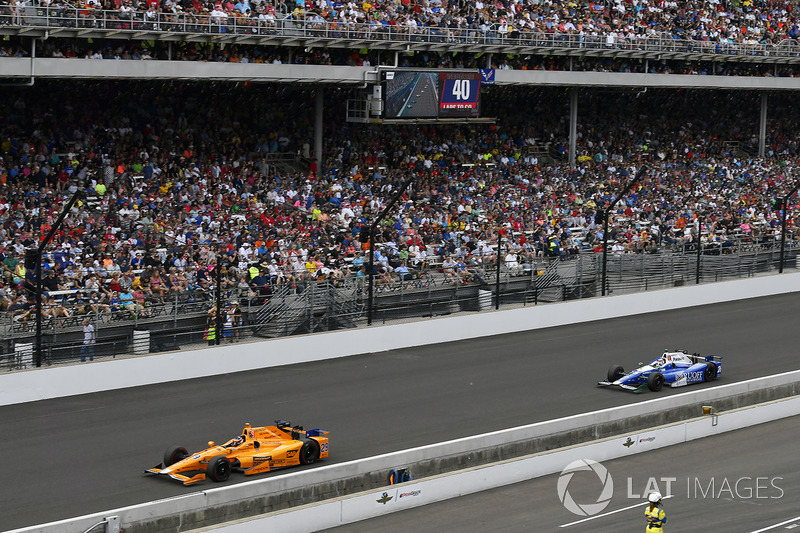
191, 177
611, 21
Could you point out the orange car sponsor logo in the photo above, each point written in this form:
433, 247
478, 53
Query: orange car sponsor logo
291, 453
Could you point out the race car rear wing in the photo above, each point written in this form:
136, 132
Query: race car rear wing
296, 431
706, 358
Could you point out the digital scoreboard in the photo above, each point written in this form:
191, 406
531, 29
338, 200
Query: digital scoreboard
459, 94
414, 94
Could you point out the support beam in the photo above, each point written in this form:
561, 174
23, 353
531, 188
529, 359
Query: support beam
499, 258
320, 95
573, 125
762, 128
784, 210
218, 297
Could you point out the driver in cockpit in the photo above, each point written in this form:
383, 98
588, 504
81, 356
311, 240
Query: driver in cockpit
237, 441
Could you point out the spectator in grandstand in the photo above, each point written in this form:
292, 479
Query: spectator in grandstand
449, 270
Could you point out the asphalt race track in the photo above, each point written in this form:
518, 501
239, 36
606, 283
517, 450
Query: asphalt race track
73, 456
768, 477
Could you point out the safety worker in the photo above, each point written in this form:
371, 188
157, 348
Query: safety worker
656, 517
211, 327
552, 245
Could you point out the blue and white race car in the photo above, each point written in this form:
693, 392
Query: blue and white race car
676, 369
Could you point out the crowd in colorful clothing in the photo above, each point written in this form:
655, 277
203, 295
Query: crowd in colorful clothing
612, 22
190, 180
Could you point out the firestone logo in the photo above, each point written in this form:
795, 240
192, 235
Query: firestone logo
585, 509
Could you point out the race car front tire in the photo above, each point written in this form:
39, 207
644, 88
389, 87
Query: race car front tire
710, 373
219, 468
655, 381
309, 452
615, 372
174, 454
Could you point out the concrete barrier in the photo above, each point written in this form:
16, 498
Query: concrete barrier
219, 505
369, 504
55, 382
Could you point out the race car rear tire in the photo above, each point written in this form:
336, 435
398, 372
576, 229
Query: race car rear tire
710, 373
309, 452
174, 454
219, 468
655, 381
615, 372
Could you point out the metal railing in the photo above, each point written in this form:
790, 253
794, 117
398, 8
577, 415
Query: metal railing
152, 24
334, 304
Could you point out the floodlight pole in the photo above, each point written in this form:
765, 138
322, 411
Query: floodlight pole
785, 208
38, 271
606, 212
372, 242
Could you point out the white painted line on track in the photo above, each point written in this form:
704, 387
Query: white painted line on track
641, 504
795, 519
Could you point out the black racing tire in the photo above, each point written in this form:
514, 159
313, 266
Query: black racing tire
309, 452
615, 372
219, 468
655, 381
174, 454
710, 372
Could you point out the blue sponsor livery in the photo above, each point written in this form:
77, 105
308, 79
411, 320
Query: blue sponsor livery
673, 368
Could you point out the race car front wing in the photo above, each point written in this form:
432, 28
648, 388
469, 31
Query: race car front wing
185, 479
630, 388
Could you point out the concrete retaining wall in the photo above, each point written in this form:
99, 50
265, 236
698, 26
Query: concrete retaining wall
341, 511
219, 505
55, 382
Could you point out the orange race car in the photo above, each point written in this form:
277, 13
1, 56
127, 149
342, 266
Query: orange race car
256, 450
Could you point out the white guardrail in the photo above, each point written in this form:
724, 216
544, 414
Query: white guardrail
447, 486
55, 382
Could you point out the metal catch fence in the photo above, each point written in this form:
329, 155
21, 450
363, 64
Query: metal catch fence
338, 304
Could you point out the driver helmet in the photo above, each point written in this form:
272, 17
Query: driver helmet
654, 497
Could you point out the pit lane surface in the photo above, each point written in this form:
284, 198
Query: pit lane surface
760, 465
83, 454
